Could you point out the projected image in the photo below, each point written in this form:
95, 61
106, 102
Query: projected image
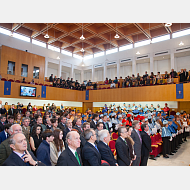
27, 91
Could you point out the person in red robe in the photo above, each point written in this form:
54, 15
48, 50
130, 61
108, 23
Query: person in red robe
166, 109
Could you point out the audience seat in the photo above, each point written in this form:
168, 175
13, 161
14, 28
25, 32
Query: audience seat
112, 145
154, 146
11, 80
114, 136
3, 79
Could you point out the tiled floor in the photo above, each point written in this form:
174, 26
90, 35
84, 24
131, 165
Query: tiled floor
180, 158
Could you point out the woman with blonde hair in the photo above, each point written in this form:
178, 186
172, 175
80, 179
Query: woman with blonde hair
57, 146
18, 119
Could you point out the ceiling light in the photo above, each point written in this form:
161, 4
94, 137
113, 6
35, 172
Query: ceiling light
82, 50
82, 37
168, 24
46, 36
181, 43
58, 57
116, 36
83, 65
11, 34
138, 53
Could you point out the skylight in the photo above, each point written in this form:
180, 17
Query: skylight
21, 37
77, 56
98, 54
4, 31
160, 38
36, 42
142, 43
111, 51
53, 48
88, 57
66, 52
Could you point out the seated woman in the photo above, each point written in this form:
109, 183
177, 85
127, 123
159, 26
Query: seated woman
106, 81
57, 146
161, 80
35, 138
148, 81
170, 80
18, 119
54, 124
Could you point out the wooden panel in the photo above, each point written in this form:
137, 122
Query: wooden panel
87, 106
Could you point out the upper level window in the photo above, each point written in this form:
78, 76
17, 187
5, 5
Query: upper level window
142, 43
4, 31
181, 33
66, 52
21, 37
88, 57
11, 68
36, 72
77, 56
111, 51
160, 38
130, 46
98, 54
36, 42
53, 48
24, 70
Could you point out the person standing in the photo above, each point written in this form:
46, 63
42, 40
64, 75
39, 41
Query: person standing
135, 135
146, 144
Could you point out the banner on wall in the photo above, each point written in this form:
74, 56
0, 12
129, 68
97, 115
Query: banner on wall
43, 92
179, 91
87, 95
7, 88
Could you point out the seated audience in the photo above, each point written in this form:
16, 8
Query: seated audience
4, 134
170, 80
173, 73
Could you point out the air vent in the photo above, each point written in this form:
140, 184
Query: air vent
125, 60
111, 63
161, 53
182, 49
99, 65
142, 57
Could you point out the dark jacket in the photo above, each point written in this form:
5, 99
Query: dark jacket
2, 136
67, 158
146, 144
43, 153
137, 145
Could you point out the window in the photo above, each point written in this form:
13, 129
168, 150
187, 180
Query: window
4, 31
53, 48
36, 42
77, 56
181, 33
21, 37
130, 46
24, 70
36, 72
111, 51
142, 43
11, 68
88, 57
98, 54
161, 38
66, 53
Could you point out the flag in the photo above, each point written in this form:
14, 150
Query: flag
87, 95
7, 88
43, 92
179, 91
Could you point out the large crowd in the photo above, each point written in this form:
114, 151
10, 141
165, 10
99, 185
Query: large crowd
113, 136
129, 81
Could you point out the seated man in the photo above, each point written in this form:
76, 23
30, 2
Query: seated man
104, 149
90, 153
71, 155
4, 134
112, 85
43, 152
20, 156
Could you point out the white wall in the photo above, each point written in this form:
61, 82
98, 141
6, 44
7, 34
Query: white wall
162, 66
77, 76
88, 75
40, 102
52, 71
98, 75
183, 62
141, 68
111, 73
125, 71
171, 104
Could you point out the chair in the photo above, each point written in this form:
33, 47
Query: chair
41, 84
114, 136
24, 111
36, 83
11, 80
17, 81
154, 146
112, 146
3, 79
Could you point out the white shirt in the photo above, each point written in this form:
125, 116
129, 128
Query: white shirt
19, 154
92, 144
72, 150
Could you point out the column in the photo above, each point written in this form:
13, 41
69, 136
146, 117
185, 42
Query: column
59, 69
72, 71
134, 66
46, 68
82, 76
172, 59
118, 70
93, 73
151, 63
105, 71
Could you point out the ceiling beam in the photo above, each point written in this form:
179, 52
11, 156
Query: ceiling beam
141, 28
168, 29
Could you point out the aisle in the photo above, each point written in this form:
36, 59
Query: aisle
180, 158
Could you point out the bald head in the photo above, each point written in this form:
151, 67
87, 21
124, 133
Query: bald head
15, 128
73, 139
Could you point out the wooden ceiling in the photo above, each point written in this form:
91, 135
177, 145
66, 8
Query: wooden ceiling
98, 36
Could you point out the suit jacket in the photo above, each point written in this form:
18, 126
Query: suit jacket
1, 126
146, 144
67, 158
15, 160
61, 126
104, 126
66, 130
185, 75
2, 136
122, 152
92, 125
90, 155
137, 145
78, 129
106, 153
5, 150
10, 112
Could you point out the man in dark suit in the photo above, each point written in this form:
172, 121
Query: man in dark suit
146, 145
104, 149
122, 148
11, 110
173, 73
135, 135
2, 122
85, 126
78, 125
185, 74
71, 155
94, 121
90, 153
105, 123
20, 156
4, 134
5, 149
62, 124
67, 129
51, 78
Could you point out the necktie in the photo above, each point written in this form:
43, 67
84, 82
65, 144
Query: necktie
96, 148
77, 157
106, 126
27, 163
139, 136
125, 142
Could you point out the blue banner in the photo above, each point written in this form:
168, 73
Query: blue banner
7, 88
87, 95
179, 91
43, 93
